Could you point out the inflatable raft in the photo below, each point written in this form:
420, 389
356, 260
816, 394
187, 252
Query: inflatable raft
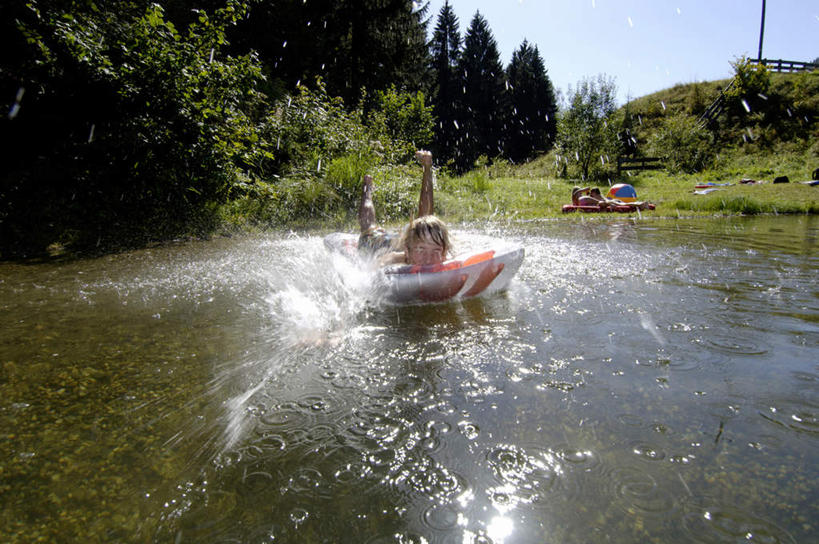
620, 208
480, 272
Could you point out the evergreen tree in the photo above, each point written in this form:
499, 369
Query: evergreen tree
446, 47
484, 95
351, 44
532, 119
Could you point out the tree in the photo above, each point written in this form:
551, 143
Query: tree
532, 119
586, 131
350, 44
484, 95
405, 120
125, 122
445, 47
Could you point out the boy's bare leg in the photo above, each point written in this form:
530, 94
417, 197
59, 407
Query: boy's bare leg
425, 203
366, 210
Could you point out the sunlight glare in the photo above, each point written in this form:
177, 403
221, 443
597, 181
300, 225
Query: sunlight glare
499, 528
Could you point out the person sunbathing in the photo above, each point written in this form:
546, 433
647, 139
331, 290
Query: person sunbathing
591, 196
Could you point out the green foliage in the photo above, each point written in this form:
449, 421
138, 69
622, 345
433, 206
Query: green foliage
697, 101
587, 131
344, 175
405, 121
484, 99
685, 145
748, 92
805, 92
311, 128
750, 79
351, 44
476, 180
127, 121
533, 115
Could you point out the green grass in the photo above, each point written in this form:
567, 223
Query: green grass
532, 191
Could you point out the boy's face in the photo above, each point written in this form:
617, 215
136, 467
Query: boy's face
425, 252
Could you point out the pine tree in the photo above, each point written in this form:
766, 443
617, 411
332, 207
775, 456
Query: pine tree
532, 119
446, 48
484, 96
351, 44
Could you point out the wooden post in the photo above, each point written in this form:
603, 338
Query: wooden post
761, 33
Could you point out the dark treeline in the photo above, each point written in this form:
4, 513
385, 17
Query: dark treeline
132, 120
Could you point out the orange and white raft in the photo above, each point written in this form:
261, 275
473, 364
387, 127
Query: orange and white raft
481, 272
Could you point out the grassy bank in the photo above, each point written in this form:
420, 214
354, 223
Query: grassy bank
502, 193
532, 191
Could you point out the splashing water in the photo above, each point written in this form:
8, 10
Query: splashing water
313, 301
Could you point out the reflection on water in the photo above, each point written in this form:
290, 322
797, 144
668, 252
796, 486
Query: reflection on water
639, 381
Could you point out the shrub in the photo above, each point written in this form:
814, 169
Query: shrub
749, 89
403, 121
686, 146
344, 175
312, 128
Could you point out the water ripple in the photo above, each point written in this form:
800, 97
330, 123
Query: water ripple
709, 522
636, 490
441, 517
799, 417
525, 475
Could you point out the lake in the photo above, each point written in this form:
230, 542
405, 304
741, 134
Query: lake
640, 381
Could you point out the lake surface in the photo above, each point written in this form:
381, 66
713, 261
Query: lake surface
640, 381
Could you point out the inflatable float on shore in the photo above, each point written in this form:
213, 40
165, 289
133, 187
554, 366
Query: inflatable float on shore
479, 272
623, 199
619, 208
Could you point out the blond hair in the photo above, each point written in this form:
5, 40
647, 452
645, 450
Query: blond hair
427, 228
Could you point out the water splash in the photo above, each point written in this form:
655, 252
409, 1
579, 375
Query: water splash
313, 301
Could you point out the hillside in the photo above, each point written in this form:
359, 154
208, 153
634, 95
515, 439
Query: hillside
779, 136
786, 114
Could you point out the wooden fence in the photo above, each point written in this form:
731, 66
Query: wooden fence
780, 65
716, 107
639, 163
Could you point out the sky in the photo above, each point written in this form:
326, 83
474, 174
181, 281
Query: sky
645, 45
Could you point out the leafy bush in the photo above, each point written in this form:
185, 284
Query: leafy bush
129, 128
344, 175
750, 88
404, 123
686, 146
312, 128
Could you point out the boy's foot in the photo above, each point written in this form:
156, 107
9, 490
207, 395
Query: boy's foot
424, 157
366, 210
